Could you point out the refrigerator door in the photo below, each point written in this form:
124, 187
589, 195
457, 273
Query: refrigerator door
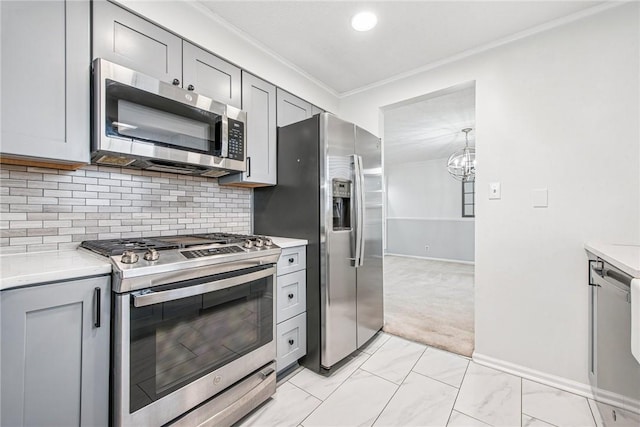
338, 277
369, 276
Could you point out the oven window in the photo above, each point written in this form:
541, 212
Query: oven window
136, 114
176, 342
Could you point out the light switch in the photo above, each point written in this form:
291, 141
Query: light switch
494, 190
540, 197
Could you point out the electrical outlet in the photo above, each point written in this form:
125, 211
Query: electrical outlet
426, 248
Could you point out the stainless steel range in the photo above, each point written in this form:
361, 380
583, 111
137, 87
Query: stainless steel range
193, 327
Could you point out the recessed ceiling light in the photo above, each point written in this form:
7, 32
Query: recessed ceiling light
364, 21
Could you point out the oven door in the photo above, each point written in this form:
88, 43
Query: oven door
177, 345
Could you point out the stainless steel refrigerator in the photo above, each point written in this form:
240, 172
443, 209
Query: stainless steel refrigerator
329, 192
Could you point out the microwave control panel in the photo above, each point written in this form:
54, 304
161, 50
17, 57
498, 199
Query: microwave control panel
236, 140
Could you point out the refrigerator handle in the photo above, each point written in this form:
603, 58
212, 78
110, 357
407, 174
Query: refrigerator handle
359, 197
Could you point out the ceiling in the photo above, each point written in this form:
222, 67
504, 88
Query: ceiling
316, 36
429, 129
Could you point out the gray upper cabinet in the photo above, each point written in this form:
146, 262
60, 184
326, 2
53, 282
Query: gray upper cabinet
126, 39
55, 354
210, 76
316, 110
292, 109
45, 80
259, 101
129, 40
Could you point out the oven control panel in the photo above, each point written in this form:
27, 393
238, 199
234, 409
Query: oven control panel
199, 253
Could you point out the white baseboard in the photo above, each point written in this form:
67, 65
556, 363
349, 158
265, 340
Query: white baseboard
556, 381
432, 259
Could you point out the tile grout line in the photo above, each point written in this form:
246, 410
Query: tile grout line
595, 422
336, 389
435, 379
399, 385
458, 393
562, 391
540, 419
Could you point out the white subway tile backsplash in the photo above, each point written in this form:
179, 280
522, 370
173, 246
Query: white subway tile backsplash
47, 209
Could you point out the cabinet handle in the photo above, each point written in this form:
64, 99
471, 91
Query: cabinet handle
248, 167
291, 342
190, 87
176, 82
291, 259
96, 313
290, 296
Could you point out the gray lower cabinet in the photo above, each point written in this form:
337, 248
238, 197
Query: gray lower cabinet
259, 101
291, 307
292, 109
125, 38
55, 354
45, 80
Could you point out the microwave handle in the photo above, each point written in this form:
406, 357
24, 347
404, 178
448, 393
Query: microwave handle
224, 136
149, 297
248, 166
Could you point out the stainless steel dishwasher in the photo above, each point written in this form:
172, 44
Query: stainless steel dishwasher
613, 371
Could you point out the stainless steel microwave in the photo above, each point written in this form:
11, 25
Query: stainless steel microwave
144, 123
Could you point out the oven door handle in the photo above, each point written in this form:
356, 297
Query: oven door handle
150, 297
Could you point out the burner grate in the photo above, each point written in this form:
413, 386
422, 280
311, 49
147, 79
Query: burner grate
117, 246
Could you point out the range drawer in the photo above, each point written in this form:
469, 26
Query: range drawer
292, 340
292, 259
291, 295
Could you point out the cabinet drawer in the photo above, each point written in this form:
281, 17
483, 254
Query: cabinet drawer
291, 295
292, 259
292, 340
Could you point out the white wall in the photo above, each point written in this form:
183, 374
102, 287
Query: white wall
422, 190
558, 110
194, 22
424, 208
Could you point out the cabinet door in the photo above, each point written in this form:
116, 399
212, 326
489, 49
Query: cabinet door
292, 109
316, 110
55, 360
45, 80
126, 39
211, 76
259, 101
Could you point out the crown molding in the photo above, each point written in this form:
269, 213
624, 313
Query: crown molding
200, 7
500, 42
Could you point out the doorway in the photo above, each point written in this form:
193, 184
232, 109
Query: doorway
430, 221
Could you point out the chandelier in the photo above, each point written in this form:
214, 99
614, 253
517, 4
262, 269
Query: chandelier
462, 164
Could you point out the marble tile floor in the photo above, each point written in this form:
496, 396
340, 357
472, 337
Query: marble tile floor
396, 382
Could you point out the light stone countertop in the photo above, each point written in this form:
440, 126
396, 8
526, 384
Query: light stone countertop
40, 267
31, 268
626, 257
286, 242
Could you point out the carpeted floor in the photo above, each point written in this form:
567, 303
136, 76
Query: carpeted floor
430, 302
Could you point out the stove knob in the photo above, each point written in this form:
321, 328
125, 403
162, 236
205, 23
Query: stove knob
259, 243
129, 257
268, 241
151, 255
247, 244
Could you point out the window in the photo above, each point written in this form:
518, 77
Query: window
468, 199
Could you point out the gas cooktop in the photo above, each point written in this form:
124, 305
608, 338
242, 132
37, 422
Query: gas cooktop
151, 261
110, 247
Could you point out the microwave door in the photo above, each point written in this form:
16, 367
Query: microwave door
145, 123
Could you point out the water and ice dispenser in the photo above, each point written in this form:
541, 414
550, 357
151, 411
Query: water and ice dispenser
341, 204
